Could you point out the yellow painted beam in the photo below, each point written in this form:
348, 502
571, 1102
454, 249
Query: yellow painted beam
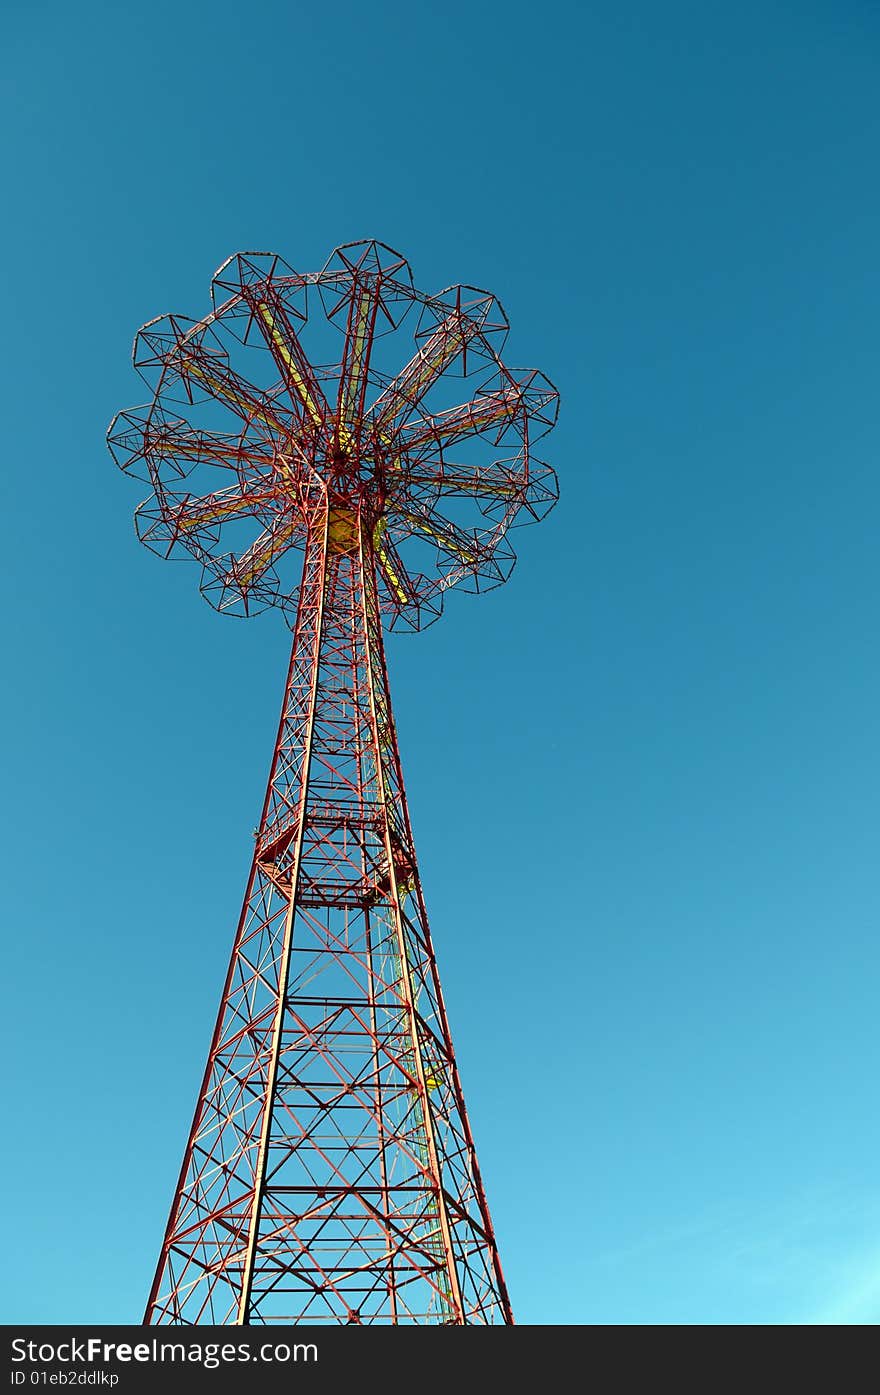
300, 385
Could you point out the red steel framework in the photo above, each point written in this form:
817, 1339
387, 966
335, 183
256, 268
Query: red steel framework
330, 1172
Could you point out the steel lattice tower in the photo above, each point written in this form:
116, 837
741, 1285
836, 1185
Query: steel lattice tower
330, 1173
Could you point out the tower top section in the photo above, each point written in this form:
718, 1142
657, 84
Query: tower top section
343, 398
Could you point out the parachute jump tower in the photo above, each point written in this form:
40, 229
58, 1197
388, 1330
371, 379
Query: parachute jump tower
346, 448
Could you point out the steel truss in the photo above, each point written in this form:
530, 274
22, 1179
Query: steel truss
330, 1174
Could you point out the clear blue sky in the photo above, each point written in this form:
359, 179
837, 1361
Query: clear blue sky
644, 775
